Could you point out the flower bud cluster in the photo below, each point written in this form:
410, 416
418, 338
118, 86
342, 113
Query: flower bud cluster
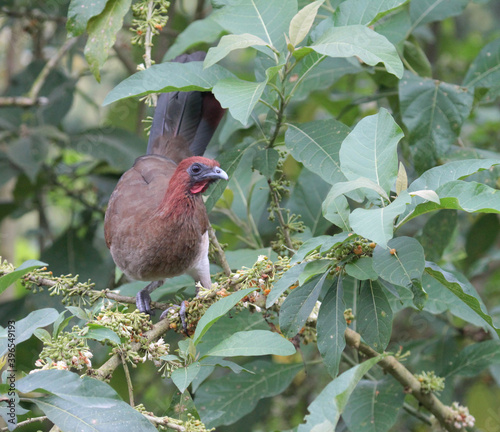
461, 418
430, 382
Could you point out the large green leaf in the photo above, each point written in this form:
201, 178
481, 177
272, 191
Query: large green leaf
217, 310
331, 327
377, 224
9, 278
360, 41
433, 112
22, 330
262, 18
80, 12
230, 43
484, 72
437, 233
345, 188
102, 30
306, 199
239, 96
299, 304
82, 403
473, 359
373, 315
228, 398
406, 264
370, 150
460, 289
317, 144
361, 269
363, 11
471, 197
167, 77
198, 32
426, 11
325, 410
253, 343
29, 153
374, 405
337, 211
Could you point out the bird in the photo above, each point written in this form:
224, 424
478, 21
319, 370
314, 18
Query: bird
156, 224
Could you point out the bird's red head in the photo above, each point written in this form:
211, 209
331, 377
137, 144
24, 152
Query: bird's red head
197, 172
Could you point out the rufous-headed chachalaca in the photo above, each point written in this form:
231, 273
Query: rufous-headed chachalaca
156, 222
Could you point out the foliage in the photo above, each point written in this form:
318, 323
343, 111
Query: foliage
361, 215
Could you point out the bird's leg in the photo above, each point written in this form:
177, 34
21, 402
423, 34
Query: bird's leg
143, 298
182, 314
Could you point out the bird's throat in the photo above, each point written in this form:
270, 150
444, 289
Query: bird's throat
199, 187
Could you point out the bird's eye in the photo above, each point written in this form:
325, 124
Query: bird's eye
195, 169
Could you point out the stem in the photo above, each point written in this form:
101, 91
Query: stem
148, 44
220, 252
281, 220
26, 422
129, 380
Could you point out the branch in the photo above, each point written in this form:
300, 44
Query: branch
32, 15
165, 421
406, 379
220, 252
281, 220
23, 101
25, 422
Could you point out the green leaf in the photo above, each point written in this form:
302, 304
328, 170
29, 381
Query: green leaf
79, 13
401, 179
361, 269
374, 315
9, 278
299, 304
266, 161
426, 11
290, 277
370, 150
217, 310
473, 359
317, 144
402, 267
471, 197
325, 410
331, 327
230, 43
360, 41
253, 343
433, 112
182, 377
344, 188
168, 77
302, 22
306, 199
82, 403
374, 405
484, 72
337, 210
378, 224
314, 268
416, 58
24, 328
363, 11
239, 96
196, 33
101, 333
262, 18
460, 289
227, 399
437, 234
28, 153
102, 30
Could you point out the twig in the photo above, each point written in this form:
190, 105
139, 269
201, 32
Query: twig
165, 421
220, 252
25, 422
281, 220
129, 380
148, 44
411, 384
32, 15
23, 101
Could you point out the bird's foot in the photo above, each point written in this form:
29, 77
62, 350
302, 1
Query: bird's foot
143, 299
182, 314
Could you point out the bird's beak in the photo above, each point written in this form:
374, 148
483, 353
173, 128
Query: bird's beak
215, 173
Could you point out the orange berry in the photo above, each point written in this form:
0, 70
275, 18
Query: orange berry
293, 287
267, 291
173, 326
393, 251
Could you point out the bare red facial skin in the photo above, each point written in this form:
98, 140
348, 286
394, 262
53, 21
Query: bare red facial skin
199, 187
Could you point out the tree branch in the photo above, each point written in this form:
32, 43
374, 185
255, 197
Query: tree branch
220, 252
411, 384
26, 422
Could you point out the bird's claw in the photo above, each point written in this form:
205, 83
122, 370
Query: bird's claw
143, 302
182, 314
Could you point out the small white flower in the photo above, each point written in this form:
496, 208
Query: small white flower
261, 258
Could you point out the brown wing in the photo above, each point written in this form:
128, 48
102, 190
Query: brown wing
137, 195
